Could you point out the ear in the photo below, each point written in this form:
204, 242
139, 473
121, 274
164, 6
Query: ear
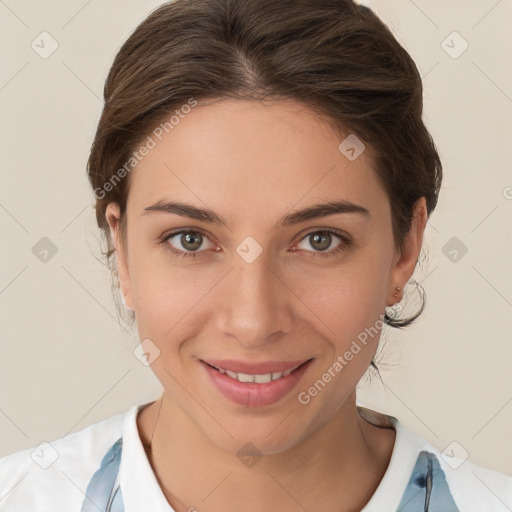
113, 216
405, 261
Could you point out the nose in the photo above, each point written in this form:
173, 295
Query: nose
255, 303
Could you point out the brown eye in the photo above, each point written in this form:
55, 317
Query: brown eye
186, 243
191, 241
321, 242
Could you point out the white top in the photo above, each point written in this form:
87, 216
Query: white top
65, 475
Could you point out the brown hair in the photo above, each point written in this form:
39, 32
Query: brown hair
335, 56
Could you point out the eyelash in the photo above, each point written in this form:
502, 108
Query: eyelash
346, 243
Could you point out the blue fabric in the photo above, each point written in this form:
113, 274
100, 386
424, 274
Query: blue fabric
427, 490
102, 493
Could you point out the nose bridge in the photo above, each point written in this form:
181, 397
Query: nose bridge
254, 303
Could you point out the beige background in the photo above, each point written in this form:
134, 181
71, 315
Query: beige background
66, 362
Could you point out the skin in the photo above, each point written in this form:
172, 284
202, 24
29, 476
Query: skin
252, 163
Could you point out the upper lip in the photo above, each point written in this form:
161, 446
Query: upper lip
261, 368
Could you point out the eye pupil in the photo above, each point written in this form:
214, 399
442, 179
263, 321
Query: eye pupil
322, 239
191, 241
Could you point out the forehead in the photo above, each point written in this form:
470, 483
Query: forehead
253, 155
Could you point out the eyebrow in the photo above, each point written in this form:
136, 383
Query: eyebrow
316, 211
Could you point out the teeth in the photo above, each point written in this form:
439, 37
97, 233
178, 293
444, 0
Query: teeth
258, 379
244, 377
263, 379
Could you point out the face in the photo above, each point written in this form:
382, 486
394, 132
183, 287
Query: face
255, 284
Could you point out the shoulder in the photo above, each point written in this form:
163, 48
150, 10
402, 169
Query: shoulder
419, 474
471, 488
475, 487
30, 478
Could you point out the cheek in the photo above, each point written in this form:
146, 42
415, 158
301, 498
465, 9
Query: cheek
347, 307
347, 313
172, 297
168, 298
161, 300
346, 300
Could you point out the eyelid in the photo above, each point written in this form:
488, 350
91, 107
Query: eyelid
316, 229
323, 229
346, 242
345, 239
167, 236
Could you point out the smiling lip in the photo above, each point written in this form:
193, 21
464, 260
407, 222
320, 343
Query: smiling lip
254, 368
252, 394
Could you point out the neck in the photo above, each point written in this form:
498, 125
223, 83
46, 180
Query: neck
336, 468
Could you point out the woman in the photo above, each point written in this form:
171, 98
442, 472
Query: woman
263, 178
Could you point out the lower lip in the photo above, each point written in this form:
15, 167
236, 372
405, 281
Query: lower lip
251, 394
